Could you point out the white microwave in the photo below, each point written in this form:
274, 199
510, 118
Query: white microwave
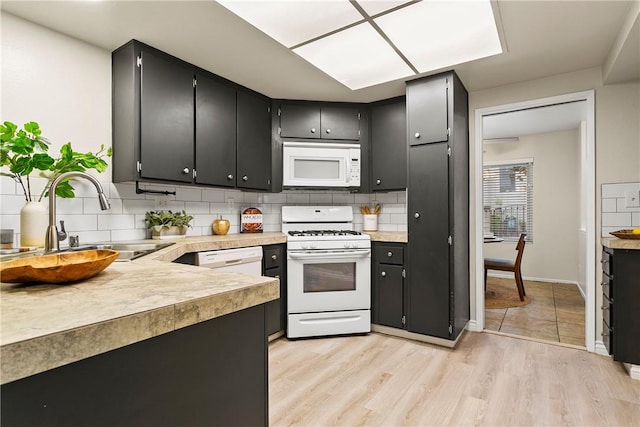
320, 165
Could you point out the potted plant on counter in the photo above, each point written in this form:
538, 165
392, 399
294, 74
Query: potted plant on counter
24, 151
167, 224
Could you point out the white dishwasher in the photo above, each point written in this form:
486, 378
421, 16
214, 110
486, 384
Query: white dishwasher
239, 260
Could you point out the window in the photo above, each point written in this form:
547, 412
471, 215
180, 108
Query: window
508, 199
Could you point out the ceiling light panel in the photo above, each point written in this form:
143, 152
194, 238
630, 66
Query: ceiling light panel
374, 7
438, 34
292, 22
357, 57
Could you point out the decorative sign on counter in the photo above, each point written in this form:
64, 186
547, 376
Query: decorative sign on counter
251, 221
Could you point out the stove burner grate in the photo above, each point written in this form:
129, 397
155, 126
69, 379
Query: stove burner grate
313, 233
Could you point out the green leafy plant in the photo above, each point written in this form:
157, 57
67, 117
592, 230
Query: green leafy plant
26, 150
167, 219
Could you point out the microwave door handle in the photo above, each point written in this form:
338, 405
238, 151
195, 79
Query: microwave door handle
348, 171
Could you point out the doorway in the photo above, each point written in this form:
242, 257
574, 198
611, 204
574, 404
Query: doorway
586, 232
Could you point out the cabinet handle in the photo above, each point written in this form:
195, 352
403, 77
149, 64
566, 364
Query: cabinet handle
313, 130
245, 178
328, 130
416, 215
277, 276
417, 135
274, 257
378, 181
603, 334
383, 274
229, 177
185, 171
389, 254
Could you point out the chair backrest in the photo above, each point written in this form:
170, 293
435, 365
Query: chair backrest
520, 249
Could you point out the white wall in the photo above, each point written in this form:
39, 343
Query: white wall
553, 253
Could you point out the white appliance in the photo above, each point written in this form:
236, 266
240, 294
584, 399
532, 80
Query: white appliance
328, 272
320, 165
239, 260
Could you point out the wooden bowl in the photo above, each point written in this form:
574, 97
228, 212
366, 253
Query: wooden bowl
57, 268
625, 234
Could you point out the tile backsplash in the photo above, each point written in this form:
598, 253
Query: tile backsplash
125, 219
616, 215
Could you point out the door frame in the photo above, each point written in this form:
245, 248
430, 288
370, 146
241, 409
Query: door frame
588, 203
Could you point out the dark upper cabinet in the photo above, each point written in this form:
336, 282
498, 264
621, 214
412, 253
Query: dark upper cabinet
215, 133
389, 145
299, 121
175, 122
254, 141
438, 210
428, 118
313, 120
166, 119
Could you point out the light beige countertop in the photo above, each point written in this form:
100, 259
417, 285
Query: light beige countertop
388, 236
616, 243
46, 326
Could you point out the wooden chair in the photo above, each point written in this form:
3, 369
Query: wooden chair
508, 265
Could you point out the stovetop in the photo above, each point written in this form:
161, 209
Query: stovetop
314, 233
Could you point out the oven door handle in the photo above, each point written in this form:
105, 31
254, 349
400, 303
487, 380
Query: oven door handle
324, 254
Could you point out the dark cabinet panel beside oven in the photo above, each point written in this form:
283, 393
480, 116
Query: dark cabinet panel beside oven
387, 284
621, 304
274, 264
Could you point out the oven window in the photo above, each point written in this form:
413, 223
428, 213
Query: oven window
330, 277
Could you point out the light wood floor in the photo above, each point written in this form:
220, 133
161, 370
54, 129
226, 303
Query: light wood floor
555, 313
488, 380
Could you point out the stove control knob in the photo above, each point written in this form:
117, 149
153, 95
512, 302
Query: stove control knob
312, 246
346, 246
355, 246
305, 246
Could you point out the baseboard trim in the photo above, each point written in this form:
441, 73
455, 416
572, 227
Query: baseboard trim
535, 279
633, 370
601, 349
473, 326
401, 333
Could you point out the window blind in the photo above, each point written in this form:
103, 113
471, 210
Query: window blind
508, 199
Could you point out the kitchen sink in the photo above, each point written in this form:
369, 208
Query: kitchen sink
132, 250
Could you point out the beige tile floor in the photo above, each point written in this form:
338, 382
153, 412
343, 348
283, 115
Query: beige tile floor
555, 313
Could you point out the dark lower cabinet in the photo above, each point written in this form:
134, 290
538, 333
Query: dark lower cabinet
621, 304
212, 373
274, 264
438, 207
388, 296
389, 145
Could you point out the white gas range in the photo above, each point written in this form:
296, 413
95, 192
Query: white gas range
328, 272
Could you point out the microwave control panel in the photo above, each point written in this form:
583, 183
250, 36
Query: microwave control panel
354, 178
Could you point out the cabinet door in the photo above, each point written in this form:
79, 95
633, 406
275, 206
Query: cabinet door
390, 297
215, 133
427, 111
274, 308
428, 222
339, 122
254, 142
389, 146
167, 119
299, 121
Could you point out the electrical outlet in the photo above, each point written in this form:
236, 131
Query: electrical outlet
162, 204
230, 204
632, 199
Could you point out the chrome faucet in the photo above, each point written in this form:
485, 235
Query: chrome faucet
53, 236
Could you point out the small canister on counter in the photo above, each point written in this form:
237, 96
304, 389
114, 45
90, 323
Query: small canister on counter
251, 220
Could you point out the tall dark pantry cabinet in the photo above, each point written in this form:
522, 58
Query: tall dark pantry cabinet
438, 206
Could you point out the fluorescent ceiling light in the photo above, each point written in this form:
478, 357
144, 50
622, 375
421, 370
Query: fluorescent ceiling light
292, 22
438, 34
362, 43
357, 57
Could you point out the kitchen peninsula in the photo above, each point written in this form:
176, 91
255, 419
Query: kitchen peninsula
148, 342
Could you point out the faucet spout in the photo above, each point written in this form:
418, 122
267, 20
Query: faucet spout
52, 238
